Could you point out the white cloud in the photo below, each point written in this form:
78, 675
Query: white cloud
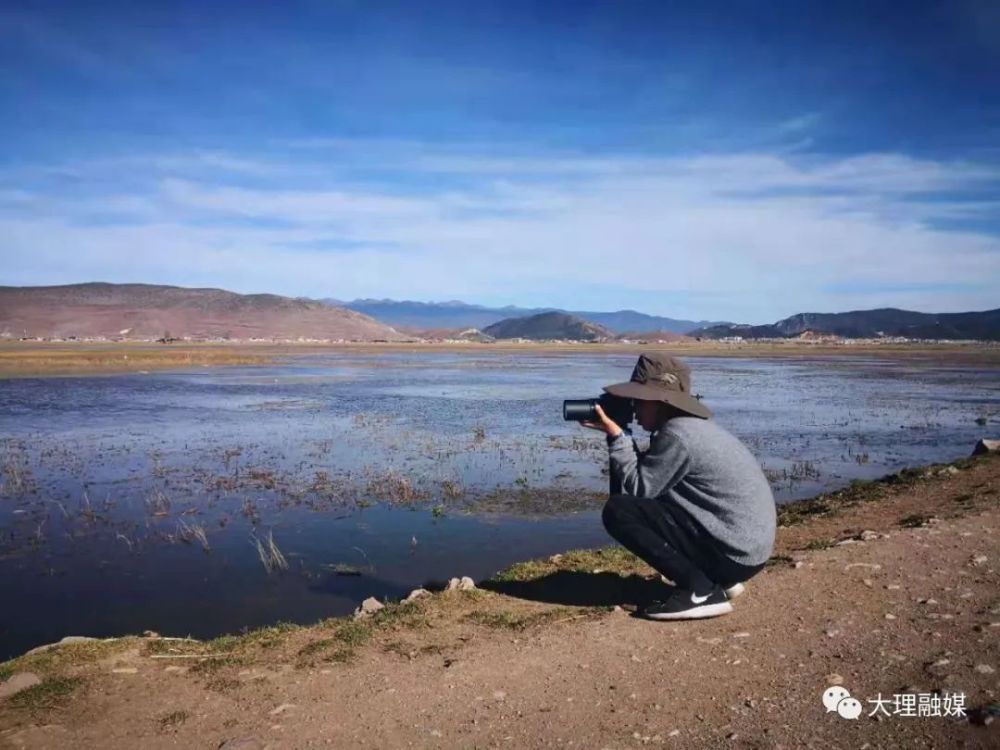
741, 236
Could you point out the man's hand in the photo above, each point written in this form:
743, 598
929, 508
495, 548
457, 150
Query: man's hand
603, 423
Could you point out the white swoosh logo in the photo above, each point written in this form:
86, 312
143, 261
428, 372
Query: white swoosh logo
699, 599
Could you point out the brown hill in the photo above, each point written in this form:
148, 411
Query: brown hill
549, 326
147, 311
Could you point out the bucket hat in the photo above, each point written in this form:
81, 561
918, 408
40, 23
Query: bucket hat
660, 377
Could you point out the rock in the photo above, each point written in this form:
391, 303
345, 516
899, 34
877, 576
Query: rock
499, 695
798, 564
890, 616
555, 558
868, 535
175, 670
369, 606
949, 471
242, 743
986, 446
67, 641
742, 634
150, 634
975, 561
282, 708
416, 594
617, 609
461, 584
17, 683
985, 669
125, 670
834, 679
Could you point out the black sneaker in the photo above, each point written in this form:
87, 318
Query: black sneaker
686, 605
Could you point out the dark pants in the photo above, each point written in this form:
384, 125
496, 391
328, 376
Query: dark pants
671, 542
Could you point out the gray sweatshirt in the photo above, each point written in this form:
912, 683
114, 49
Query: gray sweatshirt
708, 473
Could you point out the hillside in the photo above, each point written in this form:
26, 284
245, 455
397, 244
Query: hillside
547, 326
885, 322
146, 311
460, 315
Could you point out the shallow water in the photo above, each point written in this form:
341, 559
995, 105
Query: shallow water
407, 467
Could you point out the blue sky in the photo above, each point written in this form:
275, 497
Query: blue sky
739, 160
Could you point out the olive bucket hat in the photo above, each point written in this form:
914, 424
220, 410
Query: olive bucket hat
660, 377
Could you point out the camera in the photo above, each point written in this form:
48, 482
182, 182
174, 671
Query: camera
619, 410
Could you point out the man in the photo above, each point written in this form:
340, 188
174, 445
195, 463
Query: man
696, 506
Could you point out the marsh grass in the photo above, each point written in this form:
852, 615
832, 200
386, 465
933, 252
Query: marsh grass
606, 559
47, 694
194, 532
270, 556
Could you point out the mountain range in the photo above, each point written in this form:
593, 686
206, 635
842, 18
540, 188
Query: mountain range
884, 322
147, 311
456, 314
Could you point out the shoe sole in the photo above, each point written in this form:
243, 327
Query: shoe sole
733, 591
695, 613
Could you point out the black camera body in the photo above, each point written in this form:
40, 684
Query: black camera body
620, 410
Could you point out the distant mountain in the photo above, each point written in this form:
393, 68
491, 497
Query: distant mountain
147, 311
885, 322
549, 325
455, 314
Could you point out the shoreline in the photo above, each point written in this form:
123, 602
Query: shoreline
902, 534
42, 359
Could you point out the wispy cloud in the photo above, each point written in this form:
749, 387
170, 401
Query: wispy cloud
749, 236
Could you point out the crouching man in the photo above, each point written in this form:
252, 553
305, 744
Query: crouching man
696, 506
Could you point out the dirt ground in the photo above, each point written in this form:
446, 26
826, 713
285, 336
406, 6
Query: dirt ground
541, 656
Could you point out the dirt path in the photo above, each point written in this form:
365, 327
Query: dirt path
913, 609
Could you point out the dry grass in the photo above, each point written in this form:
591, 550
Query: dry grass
33, 358
25, 358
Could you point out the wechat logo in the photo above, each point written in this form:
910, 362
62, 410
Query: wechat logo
838, 699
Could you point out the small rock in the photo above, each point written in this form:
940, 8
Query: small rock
868, 535
369, 606
17, 683
832, 633
282, 708
834, 679
798, 564
985, 669
927, 601
890, 616
977, 560
555, 558
868, 582
150, 634
733, 736
125, 670
742, 634
175, 670
499, 695
416, 594
673, 732
461, 584
617, 609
